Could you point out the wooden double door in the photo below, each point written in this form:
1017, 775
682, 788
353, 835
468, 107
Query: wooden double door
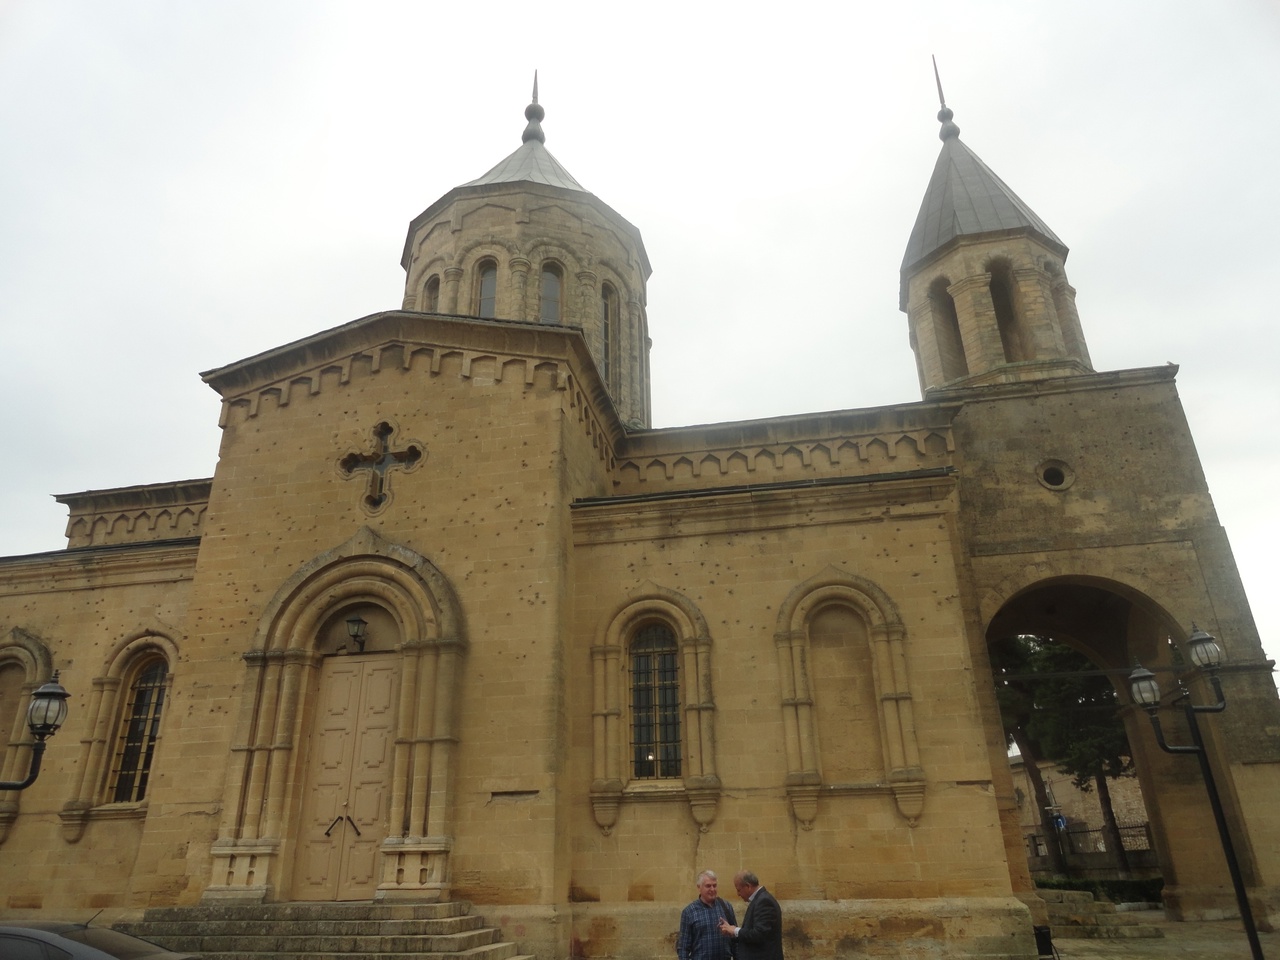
347, 779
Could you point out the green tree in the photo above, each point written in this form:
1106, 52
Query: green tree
1015, 692
1064, 708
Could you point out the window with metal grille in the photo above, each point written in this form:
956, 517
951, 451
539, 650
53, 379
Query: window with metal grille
136, 746
655, 703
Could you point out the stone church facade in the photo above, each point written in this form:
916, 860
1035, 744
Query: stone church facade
598, 657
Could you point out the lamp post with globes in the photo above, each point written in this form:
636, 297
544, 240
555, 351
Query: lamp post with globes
1207, 655
45, 715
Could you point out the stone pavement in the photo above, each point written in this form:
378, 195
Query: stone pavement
1199, 940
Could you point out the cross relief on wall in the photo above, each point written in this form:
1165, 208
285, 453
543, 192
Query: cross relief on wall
379, 463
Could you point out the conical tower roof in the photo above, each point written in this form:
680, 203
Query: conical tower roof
965, 198
532, 162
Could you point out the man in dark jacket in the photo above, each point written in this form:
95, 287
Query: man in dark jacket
760, 936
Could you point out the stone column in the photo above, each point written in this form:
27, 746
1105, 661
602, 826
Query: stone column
978, 328
1038, 313
452, 279
520, 288
1064, 300
925, 343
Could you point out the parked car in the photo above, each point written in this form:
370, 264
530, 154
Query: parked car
49, 940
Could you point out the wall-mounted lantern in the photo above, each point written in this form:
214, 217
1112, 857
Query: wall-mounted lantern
45, 715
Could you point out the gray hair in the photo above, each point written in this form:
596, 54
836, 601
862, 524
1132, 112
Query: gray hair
709, 874
746, 876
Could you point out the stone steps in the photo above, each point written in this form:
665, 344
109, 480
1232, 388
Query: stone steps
325, 931
1075, 915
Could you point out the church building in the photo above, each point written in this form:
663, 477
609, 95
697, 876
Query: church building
452, 623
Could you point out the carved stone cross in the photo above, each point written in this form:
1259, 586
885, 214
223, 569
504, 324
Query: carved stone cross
379, 463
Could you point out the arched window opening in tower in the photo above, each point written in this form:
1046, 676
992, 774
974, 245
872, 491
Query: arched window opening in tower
608, 319
487, 290
549, 311
432, 303
1008, 321
946, 329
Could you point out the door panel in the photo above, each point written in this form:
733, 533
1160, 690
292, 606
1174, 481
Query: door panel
348, 780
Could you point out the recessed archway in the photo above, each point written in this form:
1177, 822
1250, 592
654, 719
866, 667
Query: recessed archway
1115, 626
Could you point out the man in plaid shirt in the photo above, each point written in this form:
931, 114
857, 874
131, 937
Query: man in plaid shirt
700, 937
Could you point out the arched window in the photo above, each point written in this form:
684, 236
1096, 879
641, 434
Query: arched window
845, 695
653, 713
139, 730
946, 331
487, 290
12, 677
1008, 320
608, 320
549, 309
432, 303
655, 703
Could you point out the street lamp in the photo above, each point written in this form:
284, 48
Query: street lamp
45, 715
1207, 655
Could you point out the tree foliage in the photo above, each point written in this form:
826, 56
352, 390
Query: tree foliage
1063, 706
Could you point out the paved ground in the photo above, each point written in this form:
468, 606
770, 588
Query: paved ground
1216, 940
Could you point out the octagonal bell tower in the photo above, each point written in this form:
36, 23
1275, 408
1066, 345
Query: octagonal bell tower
525, 242
983, 283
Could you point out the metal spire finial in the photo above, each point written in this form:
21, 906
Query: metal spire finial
949, 130
534, 114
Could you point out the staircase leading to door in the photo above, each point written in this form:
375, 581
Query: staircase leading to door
325, 931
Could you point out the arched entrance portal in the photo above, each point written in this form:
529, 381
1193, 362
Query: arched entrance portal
1117, 626
341, 782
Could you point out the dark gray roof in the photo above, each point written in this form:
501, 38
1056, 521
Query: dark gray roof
965, 198
531, 162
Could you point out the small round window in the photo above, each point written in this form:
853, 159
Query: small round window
1055, 475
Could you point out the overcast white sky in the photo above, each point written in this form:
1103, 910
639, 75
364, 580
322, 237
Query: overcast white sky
186, 184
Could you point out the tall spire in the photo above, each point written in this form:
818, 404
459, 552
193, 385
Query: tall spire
534, 114
949, 130
531, 161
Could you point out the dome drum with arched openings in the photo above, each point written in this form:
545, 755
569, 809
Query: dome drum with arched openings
526, 242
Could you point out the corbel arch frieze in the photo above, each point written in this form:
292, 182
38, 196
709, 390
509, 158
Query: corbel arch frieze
260, 799
700, 782
889, 675
31, 654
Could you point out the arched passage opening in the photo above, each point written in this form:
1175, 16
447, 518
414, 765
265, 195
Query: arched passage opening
1115, 626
